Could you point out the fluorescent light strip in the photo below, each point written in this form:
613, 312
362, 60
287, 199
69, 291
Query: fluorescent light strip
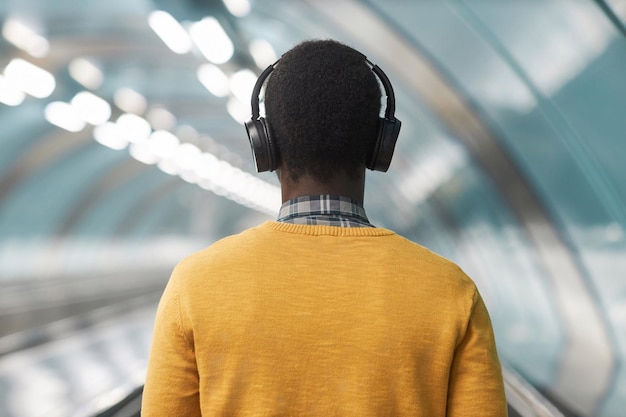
238, 8
165, 150
242, 83
110, 135
212, 40
29, 78
161, 119
163, 144
25, 38
237, 185
214, 79
130, 101
86, 73
134, 128
141, 151
237, 110
262, 52
91, 108
10, 95
187, 157
170, 31
64, 115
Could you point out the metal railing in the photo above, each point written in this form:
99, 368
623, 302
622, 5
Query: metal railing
524, 399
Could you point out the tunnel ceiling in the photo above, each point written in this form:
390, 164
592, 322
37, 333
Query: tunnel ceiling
113, 51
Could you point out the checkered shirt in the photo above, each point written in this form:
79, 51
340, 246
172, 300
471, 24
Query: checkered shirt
325, 210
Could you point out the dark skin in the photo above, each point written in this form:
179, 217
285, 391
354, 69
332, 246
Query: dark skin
340, 184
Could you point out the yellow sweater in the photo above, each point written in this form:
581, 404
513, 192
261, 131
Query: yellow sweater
297, 320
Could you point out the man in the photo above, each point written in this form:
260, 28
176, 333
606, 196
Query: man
320, 313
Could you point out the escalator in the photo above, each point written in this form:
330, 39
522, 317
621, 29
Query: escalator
523, 401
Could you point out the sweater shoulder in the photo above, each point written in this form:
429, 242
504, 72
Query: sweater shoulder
415, 252
227, 247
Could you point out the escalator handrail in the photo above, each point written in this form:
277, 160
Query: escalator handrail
524, 398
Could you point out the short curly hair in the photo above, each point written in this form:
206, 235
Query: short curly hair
322, 105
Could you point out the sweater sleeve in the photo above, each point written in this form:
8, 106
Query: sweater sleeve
172, 382
476, 387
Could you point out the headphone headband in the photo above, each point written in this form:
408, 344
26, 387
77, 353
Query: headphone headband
379, 157
257, 90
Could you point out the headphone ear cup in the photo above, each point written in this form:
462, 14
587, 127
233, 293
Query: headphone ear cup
263, 152
380, 155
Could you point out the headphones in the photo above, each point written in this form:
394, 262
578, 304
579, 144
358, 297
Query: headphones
379, 157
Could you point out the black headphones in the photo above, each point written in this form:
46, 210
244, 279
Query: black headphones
378, 158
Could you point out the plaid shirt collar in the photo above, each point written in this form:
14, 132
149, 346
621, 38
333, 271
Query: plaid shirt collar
326, 210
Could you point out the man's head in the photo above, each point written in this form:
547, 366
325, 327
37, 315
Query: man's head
322, 105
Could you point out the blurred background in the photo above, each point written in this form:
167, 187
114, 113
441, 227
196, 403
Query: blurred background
122, 149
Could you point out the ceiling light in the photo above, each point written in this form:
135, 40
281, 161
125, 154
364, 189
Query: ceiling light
225, 174
187, 157
168, 166
91, 108
170, 31
64, 115
163, 144
86, 73
239, 8
25, 38
262, 52
231, 182
224, 179
213, 79
110, 135
207, 167
133, 128
29, 78
212, 40
161, 119
189, 176
242, 83
10, 95
130, 101
141, 152
237, 110
187, 133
